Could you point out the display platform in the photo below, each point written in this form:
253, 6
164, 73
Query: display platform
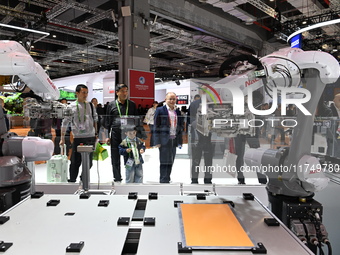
140, 224
218, 227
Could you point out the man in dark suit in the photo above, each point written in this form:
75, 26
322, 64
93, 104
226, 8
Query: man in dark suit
168, 127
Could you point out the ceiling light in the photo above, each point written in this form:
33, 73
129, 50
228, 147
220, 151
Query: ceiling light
322, 24
249, 22
54, 36
28, 30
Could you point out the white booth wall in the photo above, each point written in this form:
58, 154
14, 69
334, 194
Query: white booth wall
187, 87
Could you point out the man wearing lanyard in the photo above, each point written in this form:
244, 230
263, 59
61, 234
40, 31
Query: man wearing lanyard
116, 114
83, 122
168, 127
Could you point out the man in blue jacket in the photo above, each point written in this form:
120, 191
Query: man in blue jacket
168, 127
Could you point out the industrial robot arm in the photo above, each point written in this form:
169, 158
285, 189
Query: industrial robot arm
300, 174
299, 78
15, 60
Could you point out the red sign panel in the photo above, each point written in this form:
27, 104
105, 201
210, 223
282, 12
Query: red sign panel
142, 84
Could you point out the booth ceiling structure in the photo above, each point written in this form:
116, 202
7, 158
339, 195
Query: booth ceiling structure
83, 34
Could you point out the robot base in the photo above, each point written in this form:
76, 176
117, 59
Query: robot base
12, 195
305, 212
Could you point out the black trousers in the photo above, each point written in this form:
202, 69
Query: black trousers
240, 147
152, 142
57, 141
116, 139
205, 147
167, 155
76, 156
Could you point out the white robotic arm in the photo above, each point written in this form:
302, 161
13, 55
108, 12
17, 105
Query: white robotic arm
16, 152
15, 60
302, 174
296, 60
286, 70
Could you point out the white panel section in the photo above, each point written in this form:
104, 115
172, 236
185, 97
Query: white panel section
99, 95
90, 88
109, 85
160, 94
70, 82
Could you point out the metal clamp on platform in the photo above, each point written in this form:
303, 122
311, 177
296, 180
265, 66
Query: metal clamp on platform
182, 249
4, 246
260, 249
133, 195
177, 202
271, 222
104, 203
149, 221
37, 194
228, 202
201, 196
85, 195
123, 221
153, 195
75, 247
248, 196
53, 202
4, 219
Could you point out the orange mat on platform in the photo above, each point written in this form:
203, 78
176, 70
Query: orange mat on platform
212, 225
